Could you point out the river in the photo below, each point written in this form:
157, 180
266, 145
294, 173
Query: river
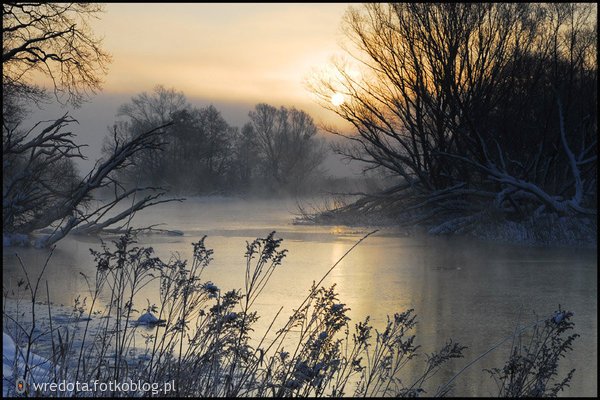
470, 291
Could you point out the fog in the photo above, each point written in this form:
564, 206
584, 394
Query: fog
475, 293
97, 115
167, 165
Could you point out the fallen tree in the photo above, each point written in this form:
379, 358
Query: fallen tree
41, 189
43, 195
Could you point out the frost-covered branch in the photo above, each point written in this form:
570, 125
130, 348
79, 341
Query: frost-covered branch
577, 197
41, 188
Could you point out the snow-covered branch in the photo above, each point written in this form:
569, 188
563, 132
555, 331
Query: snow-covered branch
41, 188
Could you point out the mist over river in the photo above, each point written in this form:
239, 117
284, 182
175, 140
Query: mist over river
473, 292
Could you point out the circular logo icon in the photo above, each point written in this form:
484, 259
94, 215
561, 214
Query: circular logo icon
20, 385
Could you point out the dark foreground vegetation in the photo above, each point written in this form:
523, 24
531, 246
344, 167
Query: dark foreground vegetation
202, 337
479, 113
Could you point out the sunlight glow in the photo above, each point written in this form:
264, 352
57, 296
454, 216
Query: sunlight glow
337, 99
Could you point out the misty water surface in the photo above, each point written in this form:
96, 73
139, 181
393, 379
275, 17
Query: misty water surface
473, 292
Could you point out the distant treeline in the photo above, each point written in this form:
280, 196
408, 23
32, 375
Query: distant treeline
160, 143
276, 152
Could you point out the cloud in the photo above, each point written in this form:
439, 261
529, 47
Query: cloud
230, 55
239, 52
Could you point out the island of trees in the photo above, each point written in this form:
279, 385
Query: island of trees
478, 113
276, 152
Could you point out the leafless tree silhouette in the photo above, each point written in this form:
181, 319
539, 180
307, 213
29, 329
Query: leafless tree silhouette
471, 106
286, 142
53, 40
41, 187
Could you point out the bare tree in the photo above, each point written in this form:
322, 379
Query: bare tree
459, 101
151, 109
197, 147
41, 186
37, 196
247, 161
143, 112
52, 40
289, 150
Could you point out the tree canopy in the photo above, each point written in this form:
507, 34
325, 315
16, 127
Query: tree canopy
54, 41
42, 189
471, 106
277, 150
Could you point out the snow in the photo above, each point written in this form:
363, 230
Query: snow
149, 319
14, 239
40, 240
13, 365
37, 240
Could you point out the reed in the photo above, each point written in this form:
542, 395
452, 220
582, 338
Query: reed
202, 338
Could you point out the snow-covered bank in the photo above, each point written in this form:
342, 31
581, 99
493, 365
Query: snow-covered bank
15, 239
38, 240
547, 230
14, 363
60, 341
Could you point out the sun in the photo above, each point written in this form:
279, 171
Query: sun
337, 99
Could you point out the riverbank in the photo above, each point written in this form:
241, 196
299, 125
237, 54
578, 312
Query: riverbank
545, 230
34, 349
473, 292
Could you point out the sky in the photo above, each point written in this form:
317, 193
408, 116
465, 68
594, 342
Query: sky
230, 55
